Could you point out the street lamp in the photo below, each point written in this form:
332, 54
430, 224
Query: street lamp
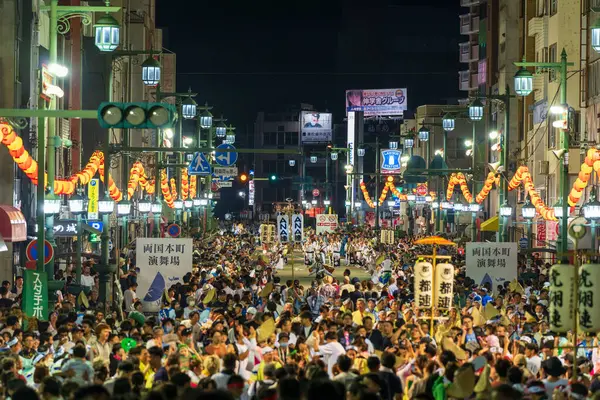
327, 202
313, 159
506, 209
409, 142
476, 110
528, 212
151, 72
292, 163
178, 204
188, 203
106, 30
188, 108
221, 130
106, 206
334, 156
52, 204
392, 144
144, 206
524, 81
361, 151
206, 119
123, 208
313, 202
230, 139
448, 123
446, 205
423, 134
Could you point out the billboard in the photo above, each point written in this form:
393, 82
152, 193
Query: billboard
377, 101
315, 127
326, 223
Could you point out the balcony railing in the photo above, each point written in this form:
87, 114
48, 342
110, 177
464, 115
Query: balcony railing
468, 24
469, 3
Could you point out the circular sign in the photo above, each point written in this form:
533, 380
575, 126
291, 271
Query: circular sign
316, 193
422, 190
174, 230
32, 253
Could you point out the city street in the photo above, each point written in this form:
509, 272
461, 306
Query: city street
301, 271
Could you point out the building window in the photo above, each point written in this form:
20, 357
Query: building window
291, 138
280, 128
553, 7
269, 166
270, 139
552, 56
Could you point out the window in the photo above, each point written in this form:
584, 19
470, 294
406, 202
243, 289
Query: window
553, 7
552, 56
270, 139
291, 138
542, 8
280, 138
551, 131
594, 79
269, 166
280, 128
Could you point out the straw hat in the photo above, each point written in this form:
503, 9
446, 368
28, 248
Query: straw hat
448, 344
463, 383
210, 295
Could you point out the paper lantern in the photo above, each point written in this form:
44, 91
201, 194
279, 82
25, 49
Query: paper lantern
562, 297
423, 282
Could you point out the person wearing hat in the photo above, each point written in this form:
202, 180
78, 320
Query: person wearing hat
269, 360
554, 370
314, 121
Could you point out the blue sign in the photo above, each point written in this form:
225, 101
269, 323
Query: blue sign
199, 165
523, 242
226, 158
390, 160
397, 203
98, 225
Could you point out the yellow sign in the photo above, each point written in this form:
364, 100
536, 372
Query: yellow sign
93, 191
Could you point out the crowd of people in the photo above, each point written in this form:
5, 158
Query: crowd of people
234, 329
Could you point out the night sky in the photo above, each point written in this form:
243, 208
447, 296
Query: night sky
244, 57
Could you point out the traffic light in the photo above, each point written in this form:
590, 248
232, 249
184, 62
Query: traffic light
136, 115
272, 178
243, 178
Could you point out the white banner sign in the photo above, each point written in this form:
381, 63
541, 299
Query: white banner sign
162, 263
251, 192
225, 171
298, 227
423, 284
444, 285
562, 297
492, 263
224, 184
283, 228
589, 282
326, 223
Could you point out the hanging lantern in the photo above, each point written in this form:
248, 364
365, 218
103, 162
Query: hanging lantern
409, 142
221, 130
106, 33
206, 120
151, 72
188, 108
423, 134
476, 110
230, 139
448, 123
524, 79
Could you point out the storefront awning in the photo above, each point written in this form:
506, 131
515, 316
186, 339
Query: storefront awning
13, 227
491, 225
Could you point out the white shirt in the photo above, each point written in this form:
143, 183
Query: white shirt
87, 280
130, 297
331, 351
534, 364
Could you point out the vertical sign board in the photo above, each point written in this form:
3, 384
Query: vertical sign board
589, 282
298, 227
423, 284
35, 294
283, 228
163, 263
491, 262
444, 285
350, 157
93, 190
541, 234
251, 192
562, 297
326, 223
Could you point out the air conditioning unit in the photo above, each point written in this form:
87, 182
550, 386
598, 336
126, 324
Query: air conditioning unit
543, 167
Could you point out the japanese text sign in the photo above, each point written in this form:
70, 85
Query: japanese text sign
298, 227
326, 223
283, 228
163, 263
377, 101
492, 263
444, 285
35, 294
423, 284
562, 299
589, 281
65, 228
93, 191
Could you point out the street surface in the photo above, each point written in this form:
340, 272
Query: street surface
301, 271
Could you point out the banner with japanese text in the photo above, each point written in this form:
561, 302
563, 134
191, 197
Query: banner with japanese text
283, 228
326, 223
35, 294
162, 263
444, 286
298, 227
491, 262
93, 195
423, 282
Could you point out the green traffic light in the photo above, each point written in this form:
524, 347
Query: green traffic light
273, 177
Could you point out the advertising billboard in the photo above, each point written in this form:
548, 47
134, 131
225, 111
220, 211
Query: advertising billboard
315, 127
377, 101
